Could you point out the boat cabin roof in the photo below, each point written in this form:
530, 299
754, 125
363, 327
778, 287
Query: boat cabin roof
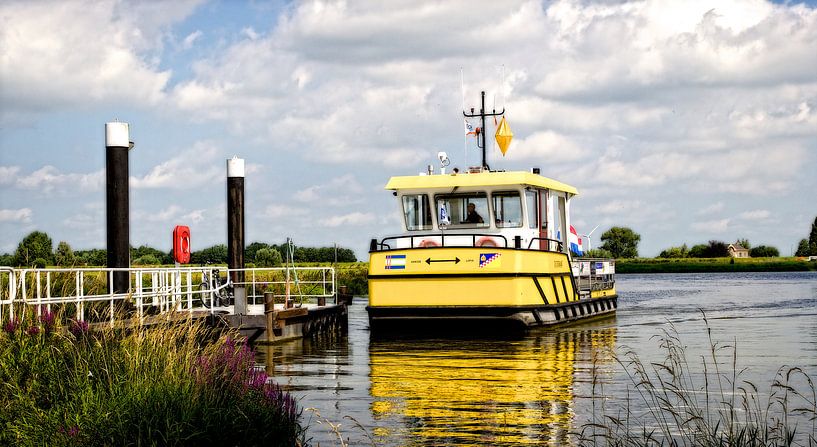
512, 178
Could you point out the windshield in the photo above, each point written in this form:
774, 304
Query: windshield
417, 212
465, 210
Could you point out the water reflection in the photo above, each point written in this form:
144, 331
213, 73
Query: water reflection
477, 392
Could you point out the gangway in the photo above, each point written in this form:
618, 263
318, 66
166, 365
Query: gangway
83, 292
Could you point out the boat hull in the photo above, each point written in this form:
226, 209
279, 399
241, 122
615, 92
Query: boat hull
481, 285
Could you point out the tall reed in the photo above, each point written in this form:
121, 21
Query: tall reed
672, 403
172, 384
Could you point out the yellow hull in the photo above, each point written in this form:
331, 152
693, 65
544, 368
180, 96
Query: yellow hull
478, 283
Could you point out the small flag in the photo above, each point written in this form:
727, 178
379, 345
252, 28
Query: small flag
395, 262
469, 128
503, 136
575, 242
488, 258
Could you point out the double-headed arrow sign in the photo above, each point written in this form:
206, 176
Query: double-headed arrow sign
455, 260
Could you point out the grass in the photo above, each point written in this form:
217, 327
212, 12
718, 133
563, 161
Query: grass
702, 265
173, 384
668, 403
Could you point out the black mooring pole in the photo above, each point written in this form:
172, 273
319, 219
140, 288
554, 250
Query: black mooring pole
117, 144
235, 230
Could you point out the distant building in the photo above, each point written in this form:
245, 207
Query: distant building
737, 251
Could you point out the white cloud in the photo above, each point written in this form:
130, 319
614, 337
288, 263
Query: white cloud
712, 226
755, 215
191, 39
189, 169
339, 191
49, 179
355, 218
100, 51
22, 215
711, 209
8, 174
276, 212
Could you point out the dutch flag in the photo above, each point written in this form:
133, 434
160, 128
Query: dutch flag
575, 242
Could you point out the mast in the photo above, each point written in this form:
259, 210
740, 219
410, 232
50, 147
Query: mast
481, 130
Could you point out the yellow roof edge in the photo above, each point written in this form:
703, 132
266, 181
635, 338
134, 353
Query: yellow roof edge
475, 180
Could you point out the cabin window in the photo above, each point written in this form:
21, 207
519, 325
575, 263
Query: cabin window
417, 212
507, 209
532, 201
465, 210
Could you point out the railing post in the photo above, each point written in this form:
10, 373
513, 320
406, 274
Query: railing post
48, 291
139, 297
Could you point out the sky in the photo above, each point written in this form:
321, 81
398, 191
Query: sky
684, 120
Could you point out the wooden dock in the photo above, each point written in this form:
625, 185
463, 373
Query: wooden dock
280, 323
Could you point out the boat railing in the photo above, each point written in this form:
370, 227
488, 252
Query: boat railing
436, 240
430, 240
552, 244
594, 273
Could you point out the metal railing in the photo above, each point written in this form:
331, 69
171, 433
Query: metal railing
301, 283
76, 291
594, 274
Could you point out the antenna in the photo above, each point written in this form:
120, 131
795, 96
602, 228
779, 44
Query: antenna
481, 131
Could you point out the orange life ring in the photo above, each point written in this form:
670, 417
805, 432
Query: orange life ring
426, 243
486, 242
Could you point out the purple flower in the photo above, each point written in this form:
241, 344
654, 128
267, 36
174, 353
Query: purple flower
11, 326
48, 320
79, 328
33, 330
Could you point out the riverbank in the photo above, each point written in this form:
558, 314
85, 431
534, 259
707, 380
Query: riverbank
178, 383
710, 265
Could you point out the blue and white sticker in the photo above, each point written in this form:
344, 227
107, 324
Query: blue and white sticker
395, 262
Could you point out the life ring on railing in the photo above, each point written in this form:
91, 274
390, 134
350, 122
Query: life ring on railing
486, 242
426, 243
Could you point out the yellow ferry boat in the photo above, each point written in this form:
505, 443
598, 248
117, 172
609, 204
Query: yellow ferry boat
484, 246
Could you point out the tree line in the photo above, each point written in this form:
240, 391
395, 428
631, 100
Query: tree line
622, 242
37, 250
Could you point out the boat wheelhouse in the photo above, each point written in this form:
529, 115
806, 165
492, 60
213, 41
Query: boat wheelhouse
484, 246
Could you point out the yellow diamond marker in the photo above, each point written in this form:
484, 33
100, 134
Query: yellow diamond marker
503, 136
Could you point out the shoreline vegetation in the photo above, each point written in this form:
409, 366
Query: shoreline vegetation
700, 400
65, 383
714, 265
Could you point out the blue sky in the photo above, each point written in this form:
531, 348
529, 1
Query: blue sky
686, 121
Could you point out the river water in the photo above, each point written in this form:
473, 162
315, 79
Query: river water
538, 388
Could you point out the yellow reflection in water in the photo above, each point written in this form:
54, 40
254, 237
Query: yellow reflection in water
469, 392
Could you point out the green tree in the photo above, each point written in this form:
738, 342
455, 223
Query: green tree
675, 252
217, 254
6, 260
37, 245
268, 257
802, 248
148, 259
744, 243
762, 251
621, 242
812, 239
597, 253
252, 250
144, 250
95, 257
64, 256
697, 251
716, 249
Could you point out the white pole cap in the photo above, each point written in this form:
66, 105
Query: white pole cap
117, 135
235, 167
